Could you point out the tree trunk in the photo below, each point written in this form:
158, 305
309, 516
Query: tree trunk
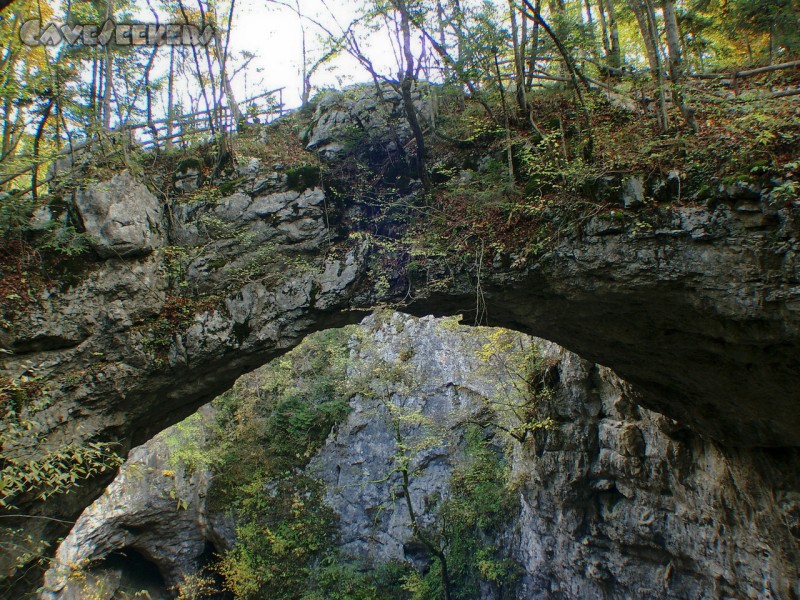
216, 99
509, 150
640, 12
406, 85
7, 68
442, 52
36, 141
433, 548
575, 75
519, 60
226, 85
149, 106
93, 91
6, 127
673, 40
771, 40
201, 84
170, 92
523, 45
604, 31
645, 17
305, 93
590, 20
109, 77
534, 52
615, 58
592, 31
572, 69
223, 70
458, 13
674, 47
440, 22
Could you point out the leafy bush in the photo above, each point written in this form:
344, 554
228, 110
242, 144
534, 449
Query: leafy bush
59, 236
480, 503
269, 427
338, 579
33, 468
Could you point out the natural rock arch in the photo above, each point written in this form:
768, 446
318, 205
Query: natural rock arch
699, 312
613, 500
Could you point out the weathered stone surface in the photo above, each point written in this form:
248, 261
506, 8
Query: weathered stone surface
633, 193
188, 181
621, 503
449, 384
699, 314
700, 311
122, 217
357, 113
153, 507
615, 501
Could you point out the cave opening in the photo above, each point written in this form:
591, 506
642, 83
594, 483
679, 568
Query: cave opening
130, 574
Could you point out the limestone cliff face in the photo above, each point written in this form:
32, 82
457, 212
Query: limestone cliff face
698, 310
153, 507
613, 501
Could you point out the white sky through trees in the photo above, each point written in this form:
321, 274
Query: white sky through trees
272, 33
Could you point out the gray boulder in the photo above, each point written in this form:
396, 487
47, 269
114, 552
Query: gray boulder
633, 192
121, 216
154, 508
361, 114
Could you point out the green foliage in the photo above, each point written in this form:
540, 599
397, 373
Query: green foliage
786, 192
519, 371
284, 527
303, 177
57, 236
219, 229
777, 18
207, 194
177, 314
269, 428
187, 445
190, 163
481, 497
29, 464
270, 424
15, 214
196, 587
25, 549
481, 502
338, 579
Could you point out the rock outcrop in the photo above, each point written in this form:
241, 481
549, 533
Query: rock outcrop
614, 500
696, 305
342, 119
154, 507
121, 217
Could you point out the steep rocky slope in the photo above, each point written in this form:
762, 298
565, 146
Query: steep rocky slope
611, 501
